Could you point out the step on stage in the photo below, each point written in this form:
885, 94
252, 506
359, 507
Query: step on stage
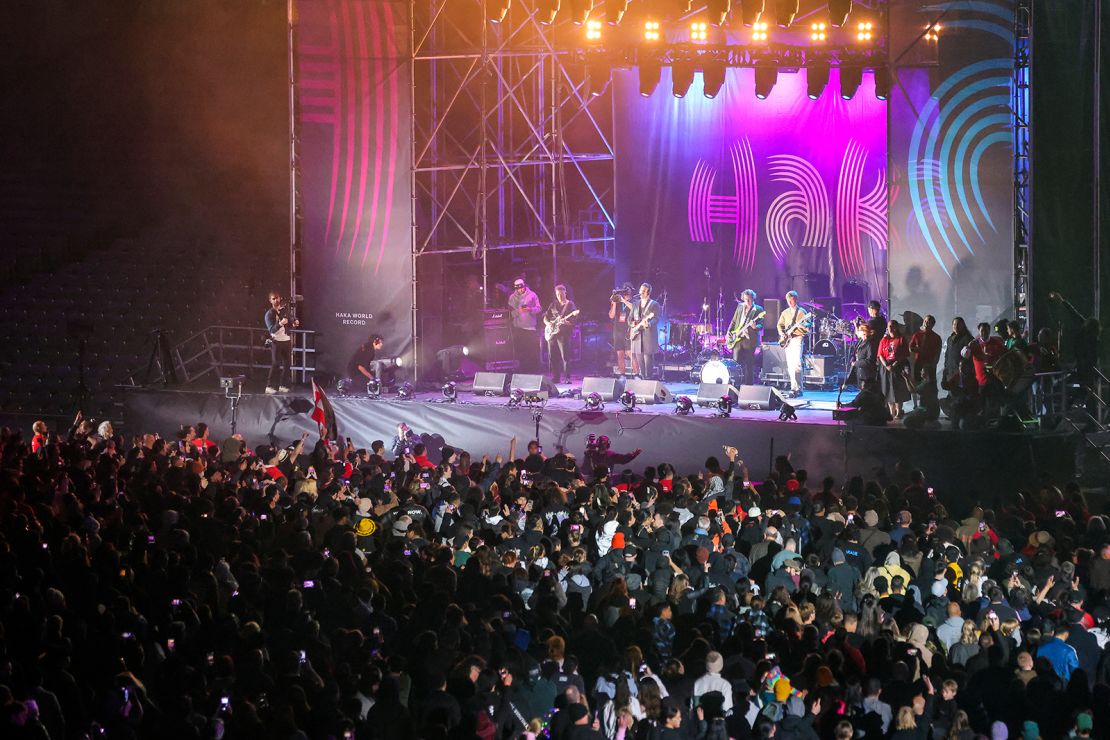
984, 465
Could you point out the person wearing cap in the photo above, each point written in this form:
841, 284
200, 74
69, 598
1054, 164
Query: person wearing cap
524, 311
1084, 725
712, 680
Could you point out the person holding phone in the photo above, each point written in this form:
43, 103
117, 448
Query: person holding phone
279, 323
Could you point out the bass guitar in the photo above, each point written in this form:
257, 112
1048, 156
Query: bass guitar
551, 327
799, 323
735, 337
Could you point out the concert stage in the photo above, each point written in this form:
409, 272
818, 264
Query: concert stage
983, 465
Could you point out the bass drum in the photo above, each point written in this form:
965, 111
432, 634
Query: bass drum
724, 372
828, 348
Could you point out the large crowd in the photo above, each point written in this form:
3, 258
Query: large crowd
197, 588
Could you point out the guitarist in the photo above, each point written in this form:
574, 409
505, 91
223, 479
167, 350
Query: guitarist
744, 334
643, 330
794, 323
557, 318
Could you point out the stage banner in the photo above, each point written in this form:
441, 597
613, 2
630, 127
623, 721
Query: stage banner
718, 195
951, 162
353, 82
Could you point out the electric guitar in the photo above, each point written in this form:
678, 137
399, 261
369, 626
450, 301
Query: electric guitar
551, 327
734, 338
636, 328
799, 323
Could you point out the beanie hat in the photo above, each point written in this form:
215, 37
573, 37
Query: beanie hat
870, 518
999, 731
782, 689
1084, 722
1030, 730
793, 484
618, 541
714, 662
838, 555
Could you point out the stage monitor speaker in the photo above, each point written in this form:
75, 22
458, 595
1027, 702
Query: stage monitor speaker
491, 384
758, 397
531, 383
648, 391
710, 393
609, 388
498, 343
774, 359
773, 308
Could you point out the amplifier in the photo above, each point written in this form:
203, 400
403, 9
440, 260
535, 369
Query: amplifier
495, 317
774, 363
497, 346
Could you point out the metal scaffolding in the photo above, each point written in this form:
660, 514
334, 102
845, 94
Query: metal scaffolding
510, 149
1019, 109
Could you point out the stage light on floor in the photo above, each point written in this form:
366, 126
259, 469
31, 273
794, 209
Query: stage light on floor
628, 401
713, 77
765, 78
850, 79
496, 10
516, 397
785, 12
751, 11
594, 402
650, 73
718, 10
788, 413
593, 30
882, 83
865, 32
699, 31
652, 31
449, 359
682, 76
374, 388
724, 407
546, 10
580, 11
450, 393
683, 406
818, 32
406, 391
759, 32
817, 77
838, 12
615, 10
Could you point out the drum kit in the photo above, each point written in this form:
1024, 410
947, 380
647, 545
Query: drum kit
835, 336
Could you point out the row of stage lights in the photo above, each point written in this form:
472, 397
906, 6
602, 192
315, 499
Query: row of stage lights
760, 33
766, 76
683, 405
719, 12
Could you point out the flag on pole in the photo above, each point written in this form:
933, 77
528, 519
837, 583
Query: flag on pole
323, 414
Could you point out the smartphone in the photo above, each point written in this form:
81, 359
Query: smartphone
632, 603
327, 553
224, 701
170, 643
149, 540
126, 695
301, 656
747, 484
1060, 513
930, 490
772, 656
310, 584
175, 602
408, 553
211, 658
263, 517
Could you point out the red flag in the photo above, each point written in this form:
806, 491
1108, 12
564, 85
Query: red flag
323, 414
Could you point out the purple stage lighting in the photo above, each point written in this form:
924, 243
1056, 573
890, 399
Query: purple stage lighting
817, 77
882, 83
850, 78
765, 78
682, 76
713, 77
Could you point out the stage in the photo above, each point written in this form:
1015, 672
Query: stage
984, 465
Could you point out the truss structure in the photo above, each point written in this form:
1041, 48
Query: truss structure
1019, 109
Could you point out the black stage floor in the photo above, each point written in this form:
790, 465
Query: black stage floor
983, 464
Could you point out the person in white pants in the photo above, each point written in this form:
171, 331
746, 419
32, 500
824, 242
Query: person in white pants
793, 325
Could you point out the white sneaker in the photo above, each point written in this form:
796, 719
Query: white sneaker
270, 390
283, 389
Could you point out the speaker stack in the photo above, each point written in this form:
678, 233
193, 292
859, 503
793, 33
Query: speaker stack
497, 348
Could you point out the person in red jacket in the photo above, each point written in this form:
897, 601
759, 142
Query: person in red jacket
984, 350
893, 359
925, 349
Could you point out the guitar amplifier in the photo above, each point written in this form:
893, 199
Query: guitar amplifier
773, 308
774, 364
495, 317
498, 344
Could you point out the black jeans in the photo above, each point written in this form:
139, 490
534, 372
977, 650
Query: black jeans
745, 358
557, 356
526, 350
281, 358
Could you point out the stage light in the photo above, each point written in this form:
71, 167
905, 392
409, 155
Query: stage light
449, 358
597, 75
765, 78
516, 397
850, 79
759, 32
864, 32
838, 12
615, 10
682, 76
406, 391
496, 10
546, 10
818, 32
724, 406
580, 11
652, 31
718, 10
932, 32
628, 401
683, 406
751, 11
650, 73
374, 388
882, 83
699, 31
593, 30
713, 77
449, 392
594, 402
785, 12
788, 413
817, 76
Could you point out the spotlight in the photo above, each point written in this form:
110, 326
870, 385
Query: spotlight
759, 31
785, 12
449, 392
788, 413
650, 73
817, 76
374, 388
597, 75
838, 12
818, 32
864, 31
546, 10
765, 78
850, 79
652, 31
718, 11
593, 30
683, 406
713, 77
628, 401
580, 11
699, 31
594, 402
449, 359
932, 32
724, 406
496, 10
682, 76
615, 10
406, 391
882, 83
345, 387
751, 11
516, 397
